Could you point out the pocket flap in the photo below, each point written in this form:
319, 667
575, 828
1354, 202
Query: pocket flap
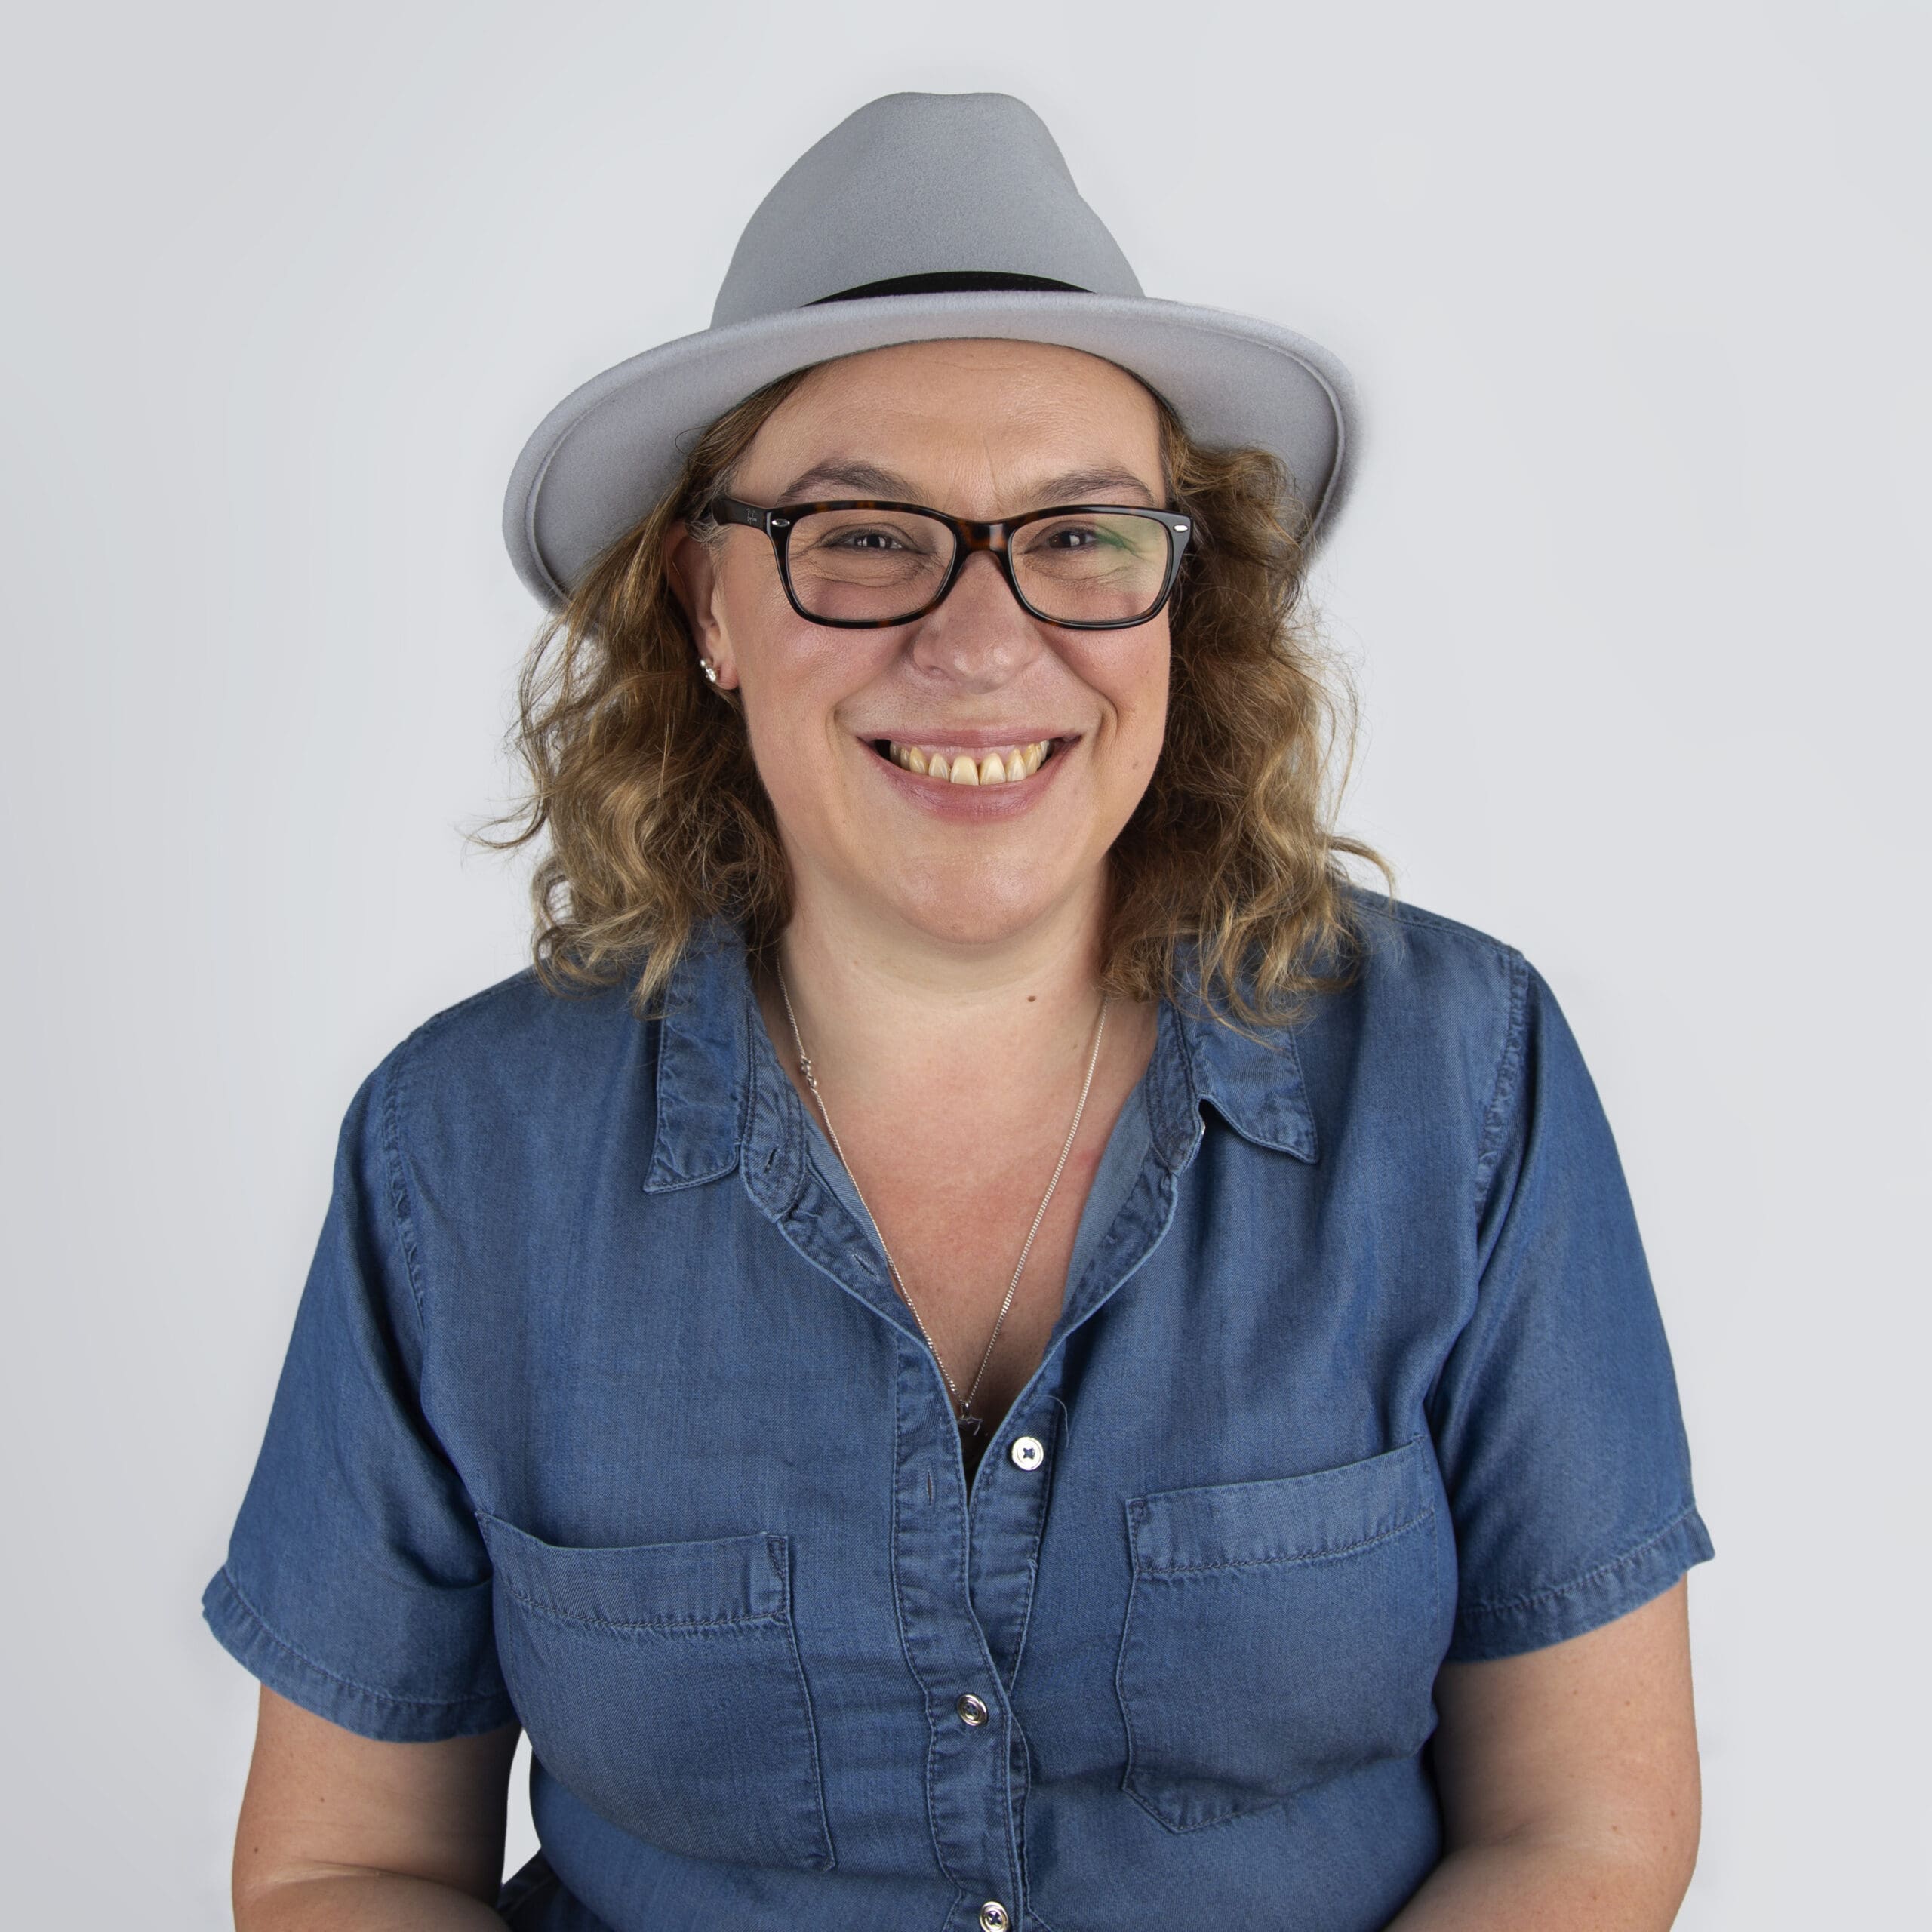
1281, 1519
721, 1580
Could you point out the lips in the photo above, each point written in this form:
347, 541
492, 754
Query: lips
978, 800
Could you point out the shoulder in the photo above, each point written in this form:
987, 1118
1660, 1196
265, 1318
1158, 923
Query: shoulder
512, 1060
1439, 970
1433, 1000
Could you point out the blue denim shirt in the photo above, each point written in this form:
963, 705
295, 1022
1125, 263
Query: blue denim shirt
600, 1413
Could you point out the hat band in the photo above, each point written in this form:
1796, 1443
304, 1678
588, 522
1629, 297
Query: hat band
943, 281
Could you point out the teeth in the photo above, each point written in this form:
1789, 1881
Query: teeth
995, 768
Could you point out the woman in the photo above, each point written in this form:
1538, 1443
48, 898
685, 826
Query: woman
986, 1340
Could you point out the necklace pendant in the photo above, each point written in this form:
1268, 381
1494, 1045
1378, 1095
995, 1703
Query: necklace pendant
971, 1425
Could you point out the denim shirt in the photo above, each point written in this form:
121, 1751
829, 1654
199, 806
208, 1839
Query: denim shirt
601, 1413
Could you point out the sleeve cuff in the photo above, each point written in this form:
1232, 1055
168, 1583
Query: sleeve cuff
361, 1708
1598, 1597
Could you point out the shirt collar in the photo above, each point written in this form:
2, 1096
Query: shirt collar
720, 1088
1254, 1082
704, 1055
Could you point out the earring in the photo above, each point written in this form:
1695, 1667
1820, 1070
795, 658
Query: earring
708, 671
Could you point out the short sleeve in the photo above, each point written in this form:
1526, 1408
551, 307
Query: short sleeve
1556, 1416
357, 1584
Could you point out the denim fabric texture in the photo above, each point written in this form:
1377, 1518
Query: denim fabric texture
600, 1413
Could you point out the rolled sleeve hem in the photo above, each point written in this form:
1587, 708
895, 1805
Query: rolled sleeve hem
1598, 1597
382, 1715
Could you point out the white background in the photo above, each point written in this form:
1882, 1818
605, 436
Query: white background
1633, 582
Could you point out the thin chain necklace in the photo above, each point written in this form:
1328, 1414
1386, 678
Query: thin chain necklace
969, 1424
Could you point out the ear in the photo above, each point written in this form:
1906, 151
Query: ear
692, 569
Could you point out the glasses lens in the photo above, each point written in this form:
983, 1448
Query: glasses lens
874, 564
1092, 566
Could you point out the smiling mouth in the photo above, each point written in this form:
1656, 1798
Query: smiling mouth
997, 764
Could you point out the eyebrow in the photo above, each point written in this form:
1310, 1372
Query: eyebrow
1072, 486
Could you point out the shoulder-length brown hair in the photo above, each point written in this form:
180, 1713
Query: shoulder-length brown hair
642, 772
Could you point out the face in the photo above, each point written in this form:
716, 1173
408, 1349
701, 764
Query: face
984, 429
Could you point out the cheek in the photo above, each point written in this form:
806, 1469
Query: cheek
798, 684
1136, 688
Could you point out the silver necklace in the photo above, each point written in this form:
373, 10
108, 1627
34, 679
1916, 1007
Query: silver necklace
969, 1424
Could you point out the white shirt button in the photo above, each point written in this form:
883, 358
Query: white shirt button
971, 1710
1028, 1452
992, 1916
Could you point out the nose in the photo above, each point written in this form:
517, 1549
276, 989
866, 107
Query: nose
979, 637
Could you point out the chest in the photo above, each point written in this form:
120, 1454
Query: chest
983, 1268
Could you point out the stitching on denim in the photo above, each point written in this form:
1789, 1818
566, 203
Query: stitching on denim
1294, 1556
1042, 1503
825, 1853
1142, 1507
1629, 1557
747, 1076
1146, 1799
282, 1643
1121, 1697
1168, 1127
1509, 1073
405, 1226
653, 1623
1294, 1044
1144, 1795
899, 1620
399, 1193
1415, 916
660, 1152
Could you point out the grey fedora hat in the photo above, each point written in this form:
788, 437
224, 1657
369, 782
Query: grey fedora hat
983, 233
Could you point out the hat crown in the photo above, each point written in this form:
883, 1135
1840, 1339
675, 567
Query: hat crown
920, 184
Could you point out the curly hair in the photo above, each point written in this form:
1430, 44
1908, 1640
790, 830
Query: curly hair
658, 821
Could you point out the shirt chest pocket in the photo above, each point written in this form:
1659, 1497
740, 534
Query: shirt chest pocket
661, 1683
1278, 1633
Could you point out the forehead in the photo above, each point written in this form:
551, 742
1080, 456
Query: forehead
974, 418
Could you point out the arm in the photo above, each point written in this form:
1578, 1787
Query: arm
339, 1833
1569, 1783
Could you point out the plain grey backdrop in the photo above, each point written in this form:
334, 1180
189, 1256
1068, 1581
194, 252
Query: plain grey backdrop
1633, 582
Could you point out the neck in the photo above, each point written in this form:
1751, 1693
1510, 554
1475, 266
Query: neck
883, 1010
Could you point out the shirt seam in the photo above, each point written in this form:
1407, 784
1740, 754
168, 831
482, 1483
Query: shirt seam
503, 988
670, 1623
282, 1643
1404, 914
1506, 1086
399, 1193
1503, 1606
1288, 1556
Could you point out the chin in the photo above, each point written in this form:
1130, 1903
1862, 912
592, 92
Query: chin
972, 910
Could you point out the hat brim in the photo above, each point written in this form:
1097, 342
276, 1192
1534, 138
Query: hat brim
599, 461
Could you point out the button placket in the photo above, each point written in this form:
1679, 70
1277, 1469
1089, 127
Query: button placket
1008, 1511
969, 1799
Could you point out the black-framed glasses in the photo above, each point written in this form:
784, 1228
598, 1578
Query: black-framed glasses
863, 564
